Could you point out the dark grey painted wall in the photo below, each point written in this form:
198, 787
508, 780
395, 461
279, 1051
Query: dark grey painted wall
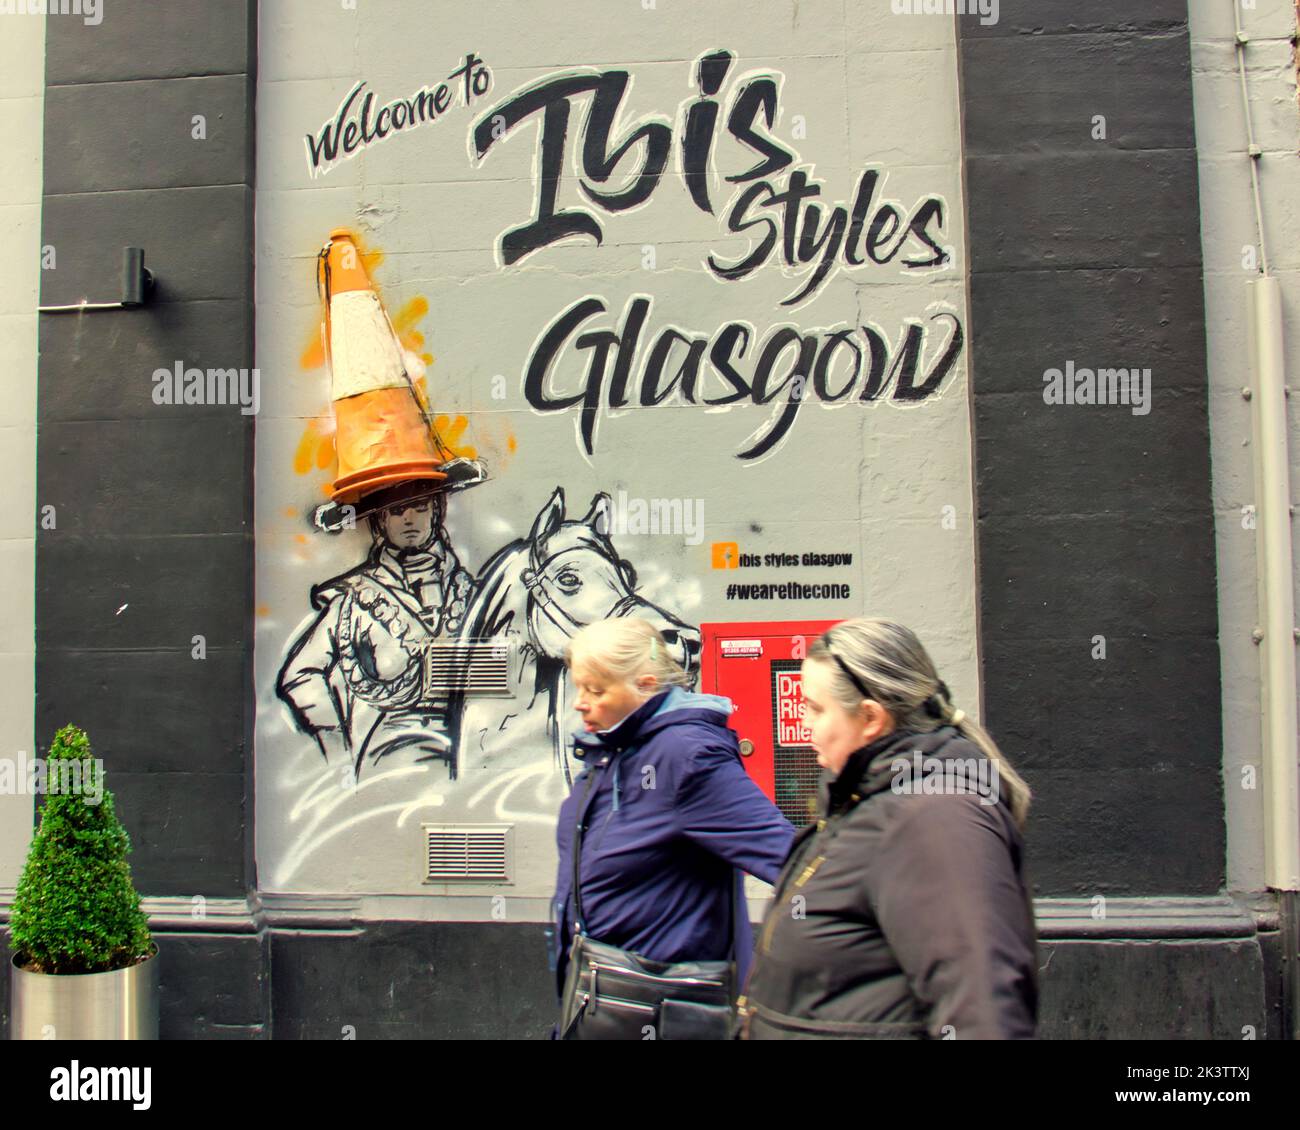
464, 980
153, 503
1094, 521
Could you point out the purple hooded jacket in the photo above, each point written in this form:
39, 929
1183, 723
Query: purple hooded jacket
670, 815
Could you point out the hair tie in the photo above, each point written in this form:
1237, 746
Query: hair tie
957, 716
934, 705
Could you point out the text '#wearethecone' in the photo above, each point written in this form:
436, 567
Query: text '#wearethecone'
382, 433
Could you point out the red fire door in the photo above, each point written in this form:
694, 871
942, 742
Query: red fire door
756, 665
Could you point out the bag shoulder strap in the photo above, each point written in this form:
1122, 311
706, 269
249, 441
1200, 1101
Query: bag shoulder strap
737, 895
579, 826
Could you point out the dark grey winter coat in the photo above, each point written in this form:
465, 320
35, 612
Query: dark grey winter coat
903, 912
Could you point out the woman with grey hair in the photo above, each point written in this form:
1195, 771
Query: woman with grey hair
661, 820
903, 911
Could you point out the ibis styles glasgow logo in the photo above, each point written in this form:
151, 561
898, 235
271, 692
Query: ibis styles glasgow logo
592, 361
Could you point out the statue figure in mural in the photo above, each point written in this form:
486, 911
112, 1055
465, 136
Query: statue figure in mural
354, 678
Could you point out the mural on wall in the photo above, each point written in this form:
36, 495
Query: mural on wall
354, 677
615, 412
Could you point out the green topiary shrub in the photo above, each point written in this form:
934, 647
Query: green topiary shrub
76, 909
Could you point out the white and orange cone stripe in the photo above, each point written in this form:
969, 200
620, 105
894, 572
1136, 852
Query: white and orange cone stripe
383, 434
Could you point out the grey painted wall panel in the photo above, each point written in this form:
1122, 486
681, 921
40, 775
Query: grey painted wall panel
187, 830
124, 694
104, 371
1156, 471
151, 544
142, 39
143, 134
1175, 990
195, 241
1051, 89
1086, 209
1142, 310
1095, 539
173, 586
214, 987
1230, 238
22, 92
1020, 18
169, 476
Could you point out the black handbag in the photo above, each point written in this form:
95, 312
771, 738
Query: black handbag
614, 994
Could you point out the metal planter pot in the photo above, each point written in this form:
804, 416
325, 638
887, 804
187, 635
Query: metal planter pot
121, 1005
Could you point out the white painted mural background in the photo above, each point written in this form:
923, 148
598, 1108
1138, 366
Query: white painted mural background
887, 480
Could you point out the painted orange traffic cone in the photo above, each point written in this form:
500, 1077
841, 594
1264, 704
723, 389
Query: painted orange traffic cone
383, 435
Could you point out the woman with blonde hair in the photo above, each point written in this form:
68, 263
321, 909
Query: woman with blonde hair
903, 912
662, 817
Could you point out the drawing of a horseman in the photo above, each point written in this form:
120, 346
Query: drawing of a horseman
354, 680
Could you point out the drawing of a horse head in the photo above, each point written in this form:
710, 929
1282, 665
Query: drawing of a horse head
565, 575
544, 588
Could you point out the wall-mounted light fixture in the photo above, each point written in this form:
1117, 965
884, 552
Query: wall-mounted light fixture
137, 283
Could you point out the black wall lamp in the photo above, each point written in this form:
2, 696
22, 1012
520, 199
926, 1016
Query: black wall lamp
137, 283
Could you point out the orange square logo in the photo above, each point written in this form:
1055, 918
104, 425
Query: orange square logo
726, 555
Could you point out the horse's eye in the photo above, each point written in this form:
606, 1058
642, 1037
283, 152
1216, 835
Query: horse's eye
569, 581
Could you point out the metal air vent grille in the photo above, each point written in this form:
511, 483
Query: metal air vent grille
472, 667
482, 853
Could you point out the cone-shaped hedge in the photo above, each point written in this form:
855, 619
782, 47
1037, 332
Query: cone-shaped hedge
76, 909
